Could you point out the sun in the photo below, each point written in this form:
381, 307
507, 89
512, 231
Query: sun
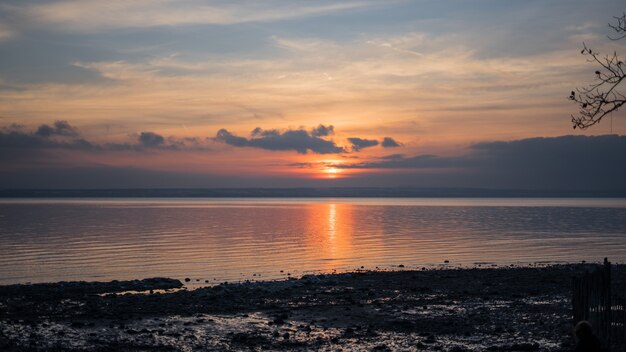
331, 172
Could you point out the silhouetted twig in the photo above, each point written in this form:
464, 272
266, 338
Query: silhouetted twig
601, 97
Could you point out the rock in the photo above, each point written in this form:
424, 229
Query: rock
77, 324
430, 339
524, 347
516, 347
458, 349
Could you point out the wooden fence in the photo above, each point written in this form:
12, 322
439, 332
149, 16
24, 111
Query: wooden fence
618, 323
592, 300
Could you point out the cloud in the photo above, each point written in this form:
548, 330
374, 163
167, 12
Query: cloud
18, 144
369, 83
398, 161
359, 143
323, 131
377, 76
59, 128
226, 137
393, 157
151, 139
566, 162
298, 140
94, 15
389, 142
15, 137
6, 33
22, 148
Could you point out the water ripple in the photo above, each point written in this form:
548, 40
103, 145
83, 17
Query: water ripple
221, 240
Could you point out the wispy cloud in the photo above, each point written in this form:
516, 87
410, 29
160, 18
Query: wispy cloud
6, 33
448, 83
425, 80
95, 15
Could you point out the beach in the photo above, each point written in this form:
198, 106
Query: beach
446, 309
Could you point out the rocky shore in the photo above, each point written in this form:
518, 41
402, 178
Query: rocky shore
496, 309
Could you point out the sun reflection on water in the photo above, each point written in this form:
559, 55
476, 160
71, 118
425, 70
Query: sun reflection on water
332, 219
330, 234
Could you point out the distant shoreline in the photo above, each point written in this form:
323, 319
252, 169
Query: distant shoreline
358, 192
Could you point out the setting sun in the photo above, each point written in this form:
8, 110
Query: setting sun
332, 172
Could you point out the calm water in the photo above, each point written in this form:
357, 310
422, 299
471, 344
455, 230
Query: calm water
238, 239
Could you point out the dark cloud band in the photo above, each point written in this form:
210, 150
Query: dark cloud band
567, 162
16, 142
298, 140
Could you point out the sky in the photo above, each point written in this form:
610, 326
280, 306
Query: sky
142, 94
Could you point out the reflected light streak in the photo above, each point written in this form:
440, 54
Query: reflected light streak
332, 219
330, 238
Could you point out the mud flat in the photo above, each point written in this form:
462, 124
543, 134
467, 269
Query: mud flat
496, 309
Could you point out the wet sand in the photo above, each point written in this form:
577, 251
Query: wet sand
496, 309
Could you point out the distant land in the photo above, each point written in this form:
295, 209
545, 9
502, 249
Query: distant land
360, 192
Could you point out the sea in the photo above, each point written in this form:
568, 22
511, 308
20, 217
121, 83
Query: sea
215, 240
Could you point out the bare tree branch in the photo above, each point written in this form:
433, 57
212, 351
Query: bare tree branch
603, 96
619, 27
